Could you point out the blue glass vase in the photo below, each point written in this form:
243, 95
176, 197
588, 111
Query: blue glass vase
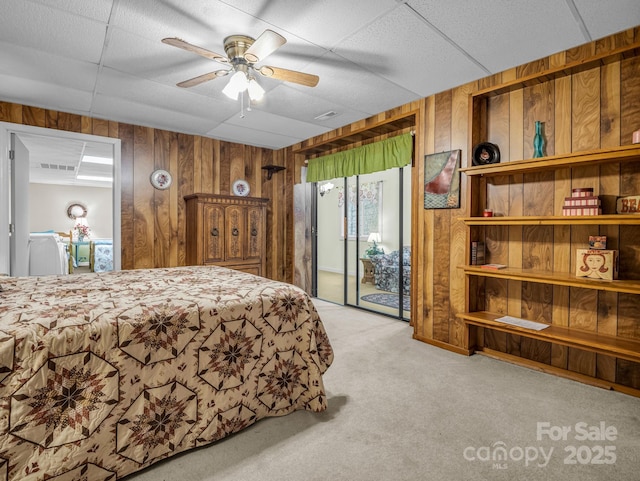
538, 141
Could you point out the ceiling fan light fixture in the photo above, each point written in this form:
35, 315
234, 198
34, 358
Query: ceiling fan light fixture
237, 83
256, 92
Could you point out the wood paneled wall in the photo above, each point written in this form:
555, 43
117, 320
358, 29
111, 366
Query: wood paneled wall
152, 221
596, 108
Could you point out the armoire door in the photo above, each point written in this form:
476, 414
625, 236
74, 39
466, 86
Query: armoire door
234, 221
214, 233
254, 233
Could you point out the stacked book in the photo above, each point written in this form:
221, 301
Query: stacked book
477, 253
582, 202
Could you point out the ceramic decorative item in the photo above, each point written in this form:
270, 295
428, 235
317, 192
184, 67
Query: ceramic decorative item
161, 179
241, 188
538, 141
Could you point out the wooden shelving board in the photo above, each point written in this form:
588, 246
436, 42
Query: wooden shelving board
612, 219
555, 278
625, 153
590, 341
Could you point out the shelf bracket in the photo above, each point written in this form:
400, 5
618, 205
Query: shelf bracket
271, 169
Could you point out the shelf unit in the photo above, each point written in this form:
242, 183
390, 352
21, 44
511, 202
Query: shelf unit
628, 349
478, 318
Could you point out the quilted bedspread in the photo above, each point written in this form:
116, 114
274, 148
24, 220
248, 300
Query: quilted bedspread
104, 374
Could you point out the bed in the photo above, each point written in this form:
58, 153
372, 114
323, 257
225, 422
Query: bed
104, 374
48, 254
101, 255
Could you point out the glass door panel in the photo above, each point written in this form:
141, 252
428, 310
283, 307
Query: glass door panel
330, 245
362, 224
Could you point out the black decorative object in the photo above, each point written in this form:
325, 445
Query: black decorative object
485, 153
271, 169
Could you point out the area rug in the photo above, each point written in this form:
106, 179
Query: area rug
388, 300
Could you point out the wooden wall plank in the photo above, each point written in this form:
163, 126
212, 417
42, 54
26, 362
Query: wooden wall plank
458, 242
442, 227
126, 135
162, 201
207, 166
33, 116
144, 215
185, 176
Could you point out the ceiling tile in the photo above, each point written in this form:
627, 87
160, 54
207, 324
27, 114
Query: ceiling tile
36, 65
271, 123
317, 21
201, 22
242, 135
604, 17
95, 9
509, 33
424, 71
51, 30
44, 95
112, 108
342, 82
116, 84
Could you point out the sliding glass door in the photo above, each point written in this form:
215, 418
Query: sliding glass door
363, 241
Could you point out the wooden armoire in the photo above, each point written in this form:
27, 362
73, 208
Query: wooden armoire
227, 231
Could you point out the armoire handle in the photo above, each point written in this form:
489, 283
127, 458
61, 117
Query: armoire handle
214, 232
235, 232
254, 232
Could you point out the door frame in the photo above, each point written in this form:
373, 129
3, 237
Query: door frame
6, 129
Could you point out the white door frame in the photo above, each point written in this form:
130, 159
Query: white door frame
6, 129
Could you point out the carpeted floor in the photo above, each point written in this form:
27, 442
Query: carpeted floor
388, 300
402, 410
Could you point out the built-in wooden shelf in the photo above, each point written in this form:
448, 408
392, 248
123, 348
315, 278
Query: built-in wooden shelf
623, 348
555, 278
615, 219
625, 153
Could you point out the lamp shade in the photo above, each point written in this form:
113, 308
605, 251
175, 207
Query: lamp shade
374, 237
256, 92
237, 83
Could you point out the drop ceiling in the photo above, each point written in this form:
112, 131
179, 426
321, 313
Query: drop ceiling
105, 58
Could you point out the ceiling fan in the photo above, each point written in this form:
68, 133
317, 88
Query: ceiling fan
242, 54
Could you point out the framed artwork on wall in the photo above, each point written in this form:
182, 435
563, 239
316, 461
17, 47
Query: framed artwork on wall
442, 180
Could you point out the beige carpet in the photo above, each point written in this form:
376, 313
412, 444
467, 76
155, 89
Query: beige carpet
331, 288
403, 410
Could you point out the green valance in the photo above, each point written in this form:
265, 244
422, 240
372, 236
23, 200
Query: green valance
374, 157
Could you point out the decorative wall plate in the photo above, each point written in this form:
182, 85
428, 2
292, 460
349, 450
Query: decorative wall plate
485, 153
241, 188
161, 179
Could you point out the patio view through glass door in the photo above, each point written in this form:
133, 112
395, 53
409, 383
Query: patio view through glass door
363, 241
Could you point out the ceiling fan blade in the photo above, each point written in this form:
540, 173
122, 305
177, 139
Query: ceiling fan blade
177, 42
203, 78
294, 76
264, 45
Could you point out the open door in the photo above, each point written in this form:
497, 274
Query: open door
19, 230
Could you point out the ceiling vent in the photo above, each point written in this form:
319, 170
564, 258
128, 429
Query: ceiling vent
57, 167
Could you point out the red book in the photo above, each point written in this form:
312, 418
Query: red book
493, 267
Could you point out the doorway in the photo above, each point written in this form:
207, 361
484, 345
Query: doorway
17, 215
363, 234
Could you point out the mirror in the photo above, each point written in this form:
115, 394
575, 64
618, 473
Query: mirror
76, 210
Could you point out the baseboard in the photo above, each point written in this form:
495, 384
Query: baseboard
443, 345
556, 371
